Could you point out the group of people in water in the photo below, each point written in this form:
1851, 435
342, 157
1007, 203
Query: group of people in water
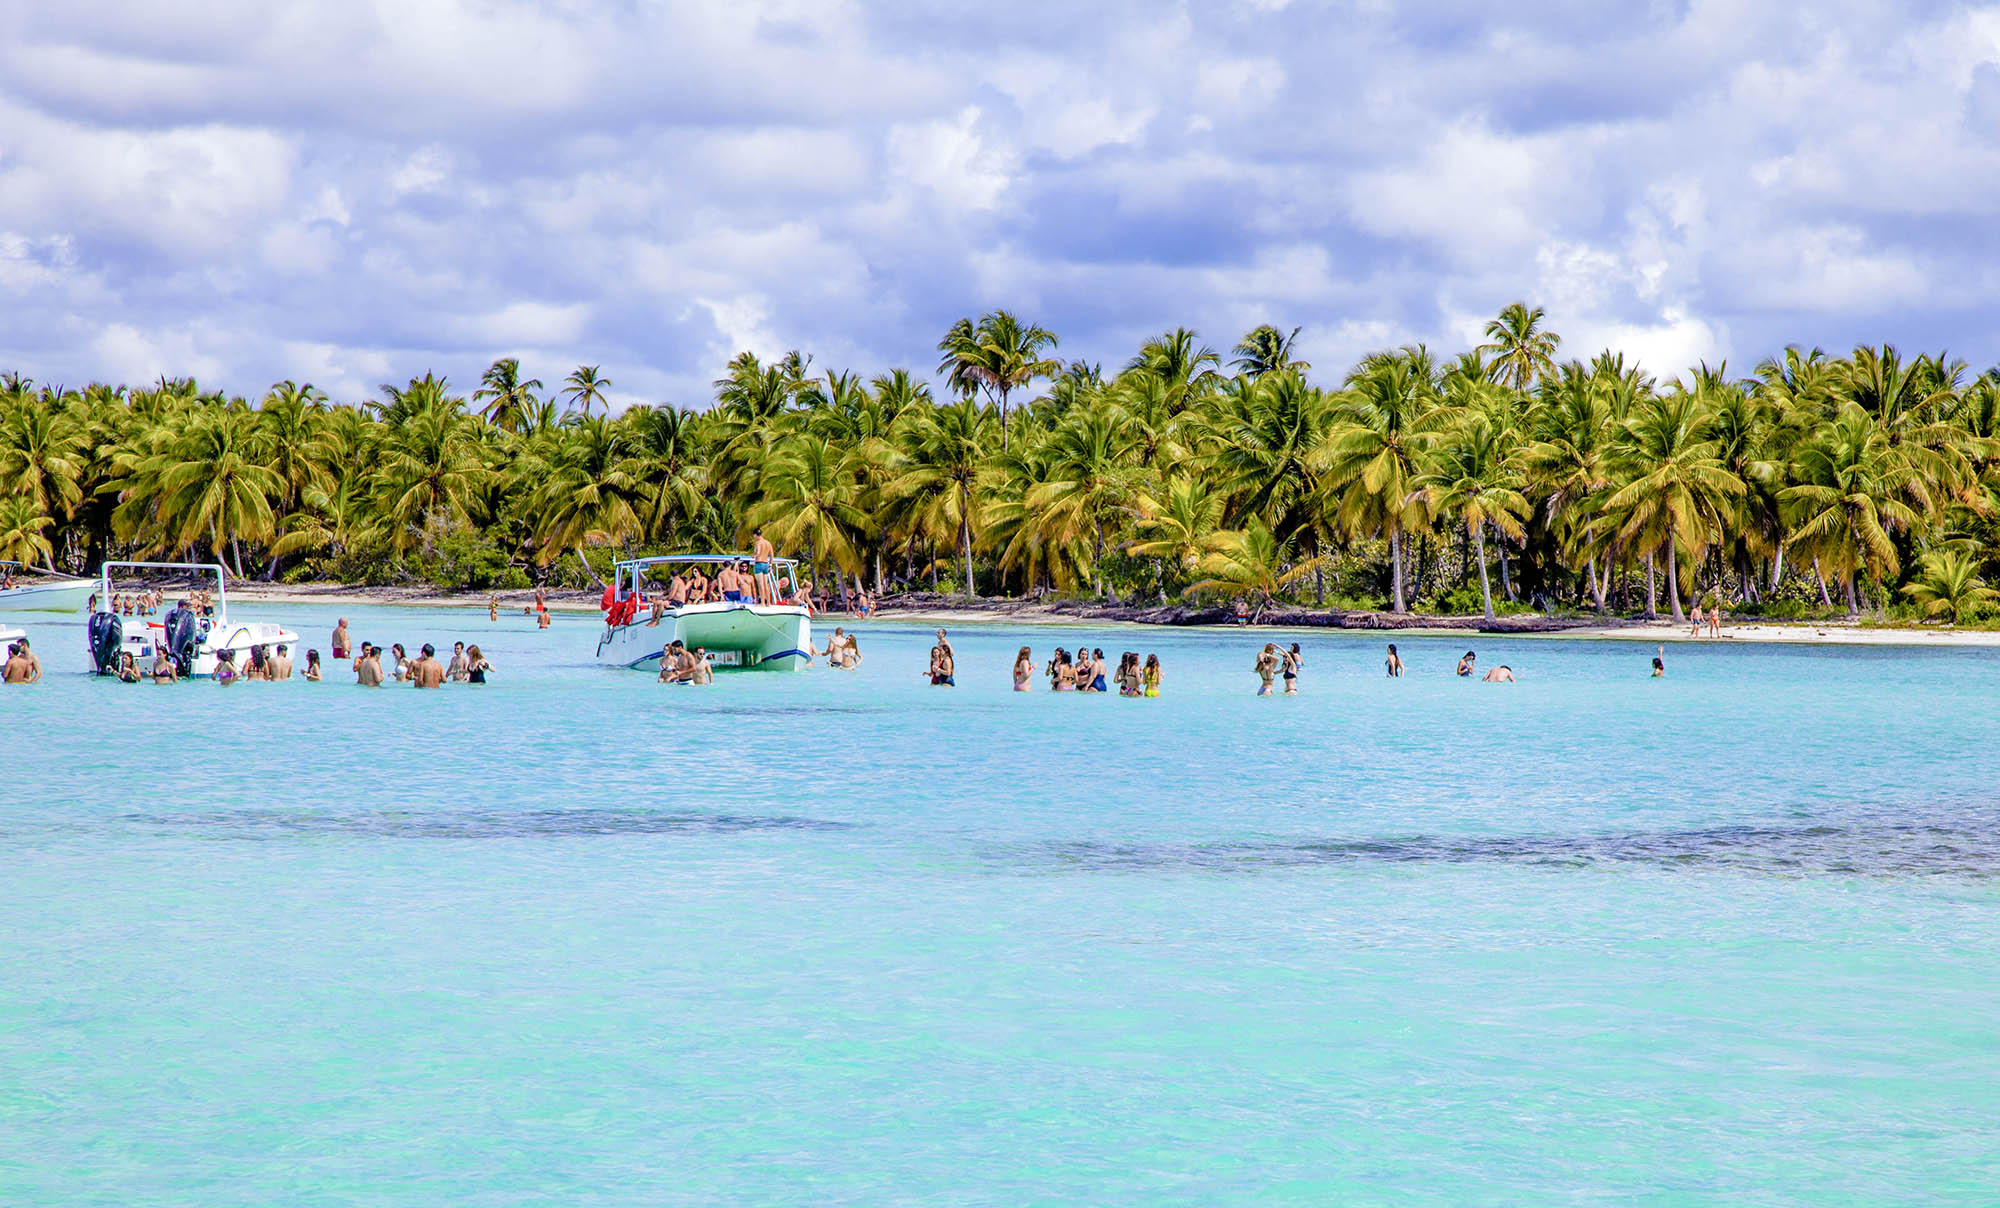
468, 664
1088, 671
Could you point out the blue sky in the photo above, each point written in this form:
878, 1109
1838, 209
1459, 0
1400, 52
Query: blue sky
353, 192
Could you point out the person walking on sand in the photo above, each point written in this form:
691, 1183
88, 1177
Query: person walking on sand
1715, 620
1266, 667
1394, 663
339, 642
1291, 661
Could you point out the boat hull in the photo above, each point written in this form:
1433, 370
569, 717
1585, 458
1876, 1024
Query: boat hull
750, 636
67, 595
237, 638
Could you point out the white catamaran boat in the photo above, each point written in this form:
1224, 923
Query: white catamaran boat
193, 637
737, 633
42, 593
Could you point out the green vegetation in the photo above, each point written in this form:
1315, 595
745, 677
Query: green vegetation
1498, 480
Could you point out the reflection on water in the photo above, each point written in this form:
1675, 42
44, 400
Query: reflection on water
1877, 849
467, 824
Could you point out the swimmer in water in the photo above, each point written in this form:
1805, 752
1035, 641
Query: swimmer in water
339, 643
1465, 667
1266, 667
312, 671
1503, 674
1659, 662
1394, 663
427, 672
1024, 670
476, 665
1291, 662
1151, 675
225, 667
368, 667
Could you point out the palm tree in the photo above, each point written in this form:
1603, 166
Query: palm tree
1180, 523
21, 533
1371, 459
428, 475
1524, 352
584, 388
808, 501
1949, 585
213, 485
506, 396
1676, 487
591, 488
1849, 491
1253, 563
999, 355
1092, 480
1471, 478
944, 452
1265, 349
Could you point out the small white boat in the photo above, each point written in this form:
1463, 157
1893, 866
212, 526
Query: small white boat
194, 638
736, 633
42, 593
8, 634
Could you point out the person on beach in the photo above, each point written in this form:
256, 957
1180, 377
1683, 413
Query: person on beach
476, 665
225, 668
456, 670
1394, 663
1151, 675
1694, 630
427, 672
312, 672
1465, 667
1266, 667
281, 664
165, 670
1715, 620
1024, 670
1290, 662
493, 608
1503, 674
368, 667
339, 643
22, 665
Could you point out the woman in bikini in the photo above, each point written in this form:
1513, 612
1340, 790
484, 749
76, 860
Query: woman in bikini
1266, 667
225, 668
1394, 663
1024, 670
1151, 675
476, 665
1291, 660
312, 672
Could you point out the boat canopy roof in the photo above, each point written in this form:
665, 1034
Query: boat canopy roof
689, 559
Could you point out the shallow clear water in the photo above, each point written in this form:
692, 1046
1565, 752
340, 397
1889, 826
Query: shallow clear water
579, 938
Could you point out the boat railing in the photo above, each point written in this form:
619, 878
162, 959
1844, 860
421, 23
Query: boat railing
221, 617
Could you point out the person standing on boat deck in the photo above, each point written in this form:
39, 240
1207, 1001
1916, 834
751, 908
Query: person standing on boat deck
1266, 667
1394, 663
339, 635
1291, 661
763, 554
427, 672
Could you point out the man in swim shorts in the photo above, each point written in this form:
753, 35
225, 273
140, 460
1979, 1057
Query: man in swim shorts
762, 552
368, 666
1503, 674
339, 636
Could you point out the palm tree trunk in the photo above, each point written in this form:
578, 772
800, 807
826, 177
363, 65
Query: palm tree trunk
586, 565
1825, 600
1652, 595
1596, 593
1777, 568
965, 535
1674, 574
1853, 605
1396, 571
1506, 580
1485, 584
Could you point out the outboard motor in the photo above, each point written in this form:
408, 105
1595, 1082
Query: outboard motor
107, 638
179, 632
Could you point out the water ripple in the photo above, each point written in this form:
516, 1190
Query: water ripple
468, 824
1914, 849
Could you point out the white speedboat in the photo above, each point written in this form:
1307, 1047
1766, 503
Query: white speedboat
194, 637
7, 635
640, 623
42, 593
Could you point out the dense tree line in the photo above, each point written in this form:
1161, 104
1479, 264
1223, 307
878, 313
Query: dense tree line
1502, 477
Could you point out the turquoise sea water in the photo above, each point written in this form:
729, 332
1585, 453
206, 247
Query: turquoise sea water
831, 938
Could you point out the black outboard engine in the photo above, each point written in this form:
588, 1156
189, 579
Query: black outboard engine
107, 639
181, 630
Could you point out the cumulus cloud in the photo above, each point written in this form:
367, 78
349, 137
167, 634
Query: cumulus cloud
353, 191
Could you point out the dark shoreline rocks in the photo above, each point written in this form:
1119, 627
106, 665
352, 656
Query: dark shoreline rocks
1271, 618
